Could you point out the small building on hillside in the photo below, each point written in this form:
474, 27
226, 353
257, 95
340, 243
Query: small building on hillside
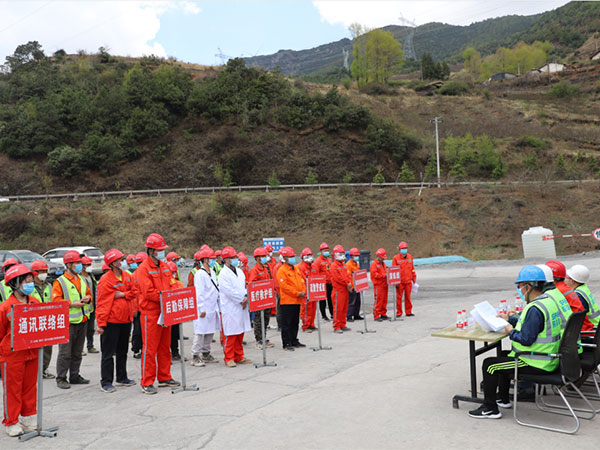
552, 68
533, 73
502, 76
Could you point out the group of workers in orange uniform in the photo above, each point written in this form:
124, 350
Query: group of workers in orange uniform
129, 293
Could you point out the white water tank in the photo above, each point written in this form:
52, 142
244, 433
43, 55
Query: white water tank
538, 242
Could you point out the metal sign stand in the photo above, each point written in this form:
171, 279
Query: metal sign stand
320, 347
394, 300
364, 317
50, 432
264, 343
183, 386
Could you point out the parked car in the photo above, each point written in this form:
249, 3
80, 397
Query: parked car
97, 257
27, 257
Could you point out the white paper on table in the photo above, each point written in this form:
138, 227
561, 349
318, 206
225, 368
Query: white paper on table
488, 314
482, 323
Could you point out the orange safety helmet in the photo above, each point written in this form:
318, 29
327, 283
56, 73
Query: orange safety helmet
260, 251
38, 265
287, 252
86, 260
172, 255
338, 249
71, 257
228, 252
323, 246
130, 259
402, 245
558, 269
156, 242
112, 255
354, 252
307, 251
9, 262
15, 271
381, 253
140, 257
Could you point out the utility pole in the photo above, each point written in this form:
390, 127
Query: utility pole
436, 120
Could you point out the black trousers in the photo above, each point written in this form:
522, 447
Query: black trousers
290, 317
497, 373
256, 324
136, 335
175, 341
69, 354
323, 305
353, 305
91, 328
114, 341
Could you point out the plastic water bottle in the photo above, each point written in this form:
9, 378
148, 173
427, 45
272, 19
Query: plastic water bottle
519, 304
502, 308
459, 320
465, 319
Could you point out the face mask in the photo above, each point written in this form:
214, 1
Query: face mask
263, 259
292, 260
356, 258
42, 276
308, 259
77, 268
123, 265
522, 295
27, 288
211, 262
180, 263
404, 251
133, 266
235, 262
160, 255
326, 254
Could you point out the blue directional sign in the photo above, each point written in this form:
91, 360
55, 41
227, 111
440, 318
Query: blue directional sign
276, 243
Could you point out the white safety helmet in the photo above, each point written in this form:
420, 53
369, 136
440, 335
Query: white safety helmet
579, 273
547, 272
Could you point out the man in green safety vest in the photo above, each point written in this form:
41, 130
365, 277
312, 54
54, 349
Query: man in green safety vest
577, 278
5, 290
538, 330
43, 292
73, 288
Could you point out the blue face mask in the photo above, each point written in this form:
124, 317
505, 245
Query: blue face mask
292, 260
356, 258
77, 268
235, 262
160, 255
520, 293
133, 266
263, 259
27, 288
211, 262
326, 254
404, 251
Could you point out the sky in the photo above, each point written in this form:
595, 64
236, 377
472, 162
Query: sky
196, 31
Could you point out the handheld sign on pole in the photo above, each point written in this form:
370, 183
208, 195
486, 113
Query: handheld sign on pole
393, 279
316, 290
38, 325
178, 306
361, 284
261, 296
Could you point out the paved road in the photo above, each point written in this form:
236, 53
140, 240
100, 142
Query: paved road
389, 389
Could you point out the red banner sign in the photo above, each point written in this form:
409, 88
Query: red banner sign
39, 325
261, 295
393, 275
316, 288
361, 280
178, 306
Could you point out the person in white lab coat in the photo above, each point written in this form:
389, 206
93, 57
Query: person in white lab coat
234, 308
207, 298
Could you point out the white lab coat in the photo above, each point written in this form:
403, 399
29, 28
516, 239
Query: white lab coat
232, 291
207, 298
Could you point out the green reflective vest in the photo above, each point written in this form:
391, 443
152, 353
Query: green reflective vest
547, 341
217, 268
5, 291
564, 310
43, 294
593, 313
71, 294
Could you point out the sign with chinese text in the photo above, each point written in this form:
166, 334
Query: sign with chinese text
361, 280
261, 295
276, 243
316, 287
36, 325
393, 275
178, 306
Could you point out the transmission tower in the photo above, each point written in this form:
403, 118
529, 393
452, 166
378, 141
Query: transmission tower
409, 46
224, 58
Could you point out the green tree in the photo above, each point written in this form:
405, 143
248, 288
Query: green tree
379, 178
472, 60
311, 177
406, 175
273, 180
376, 55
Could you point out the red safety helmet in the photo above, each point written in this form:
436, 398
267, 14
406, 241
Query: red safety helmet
381, 253
172, 266
15, 271
228, 252
243, 258
112, 255
269, 248
172, 255
204, 247
140, 257
197, 256
338, 249
130, 259
71, 257
156, 241
206, 253
402, 245
105, 267
260, 251
9, 262
558, 269
323, 246
218, 253
354, 252
287, 252
38, 265
86, 260
307, 251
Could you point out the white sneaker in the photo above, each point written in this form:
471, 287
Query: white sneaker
14, 430
28, 423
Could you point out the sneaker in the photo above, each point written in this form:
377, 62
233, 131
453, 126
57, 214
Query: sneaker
244, 361
359, 318
308, 330
126, 382
338, 331
505, 405
485, 412
137, 355
93, 350
48, 376
108, 388
197, 361
379, 319
326, 319
208, 358
63, 384
79, 380
398, 316
149, 390
350, 319
83, 353
169, 383
231, 363
410, 315
175, 358
28, 423
346, 329
14, 430
259, 346
384, 317
299, 344
270, 344
289, 348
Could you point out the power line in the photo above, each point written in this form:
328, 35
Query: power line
24, 17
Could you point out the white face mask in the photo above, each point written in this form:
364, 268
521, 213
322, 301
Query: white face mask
340, 256
42, 276
308, 259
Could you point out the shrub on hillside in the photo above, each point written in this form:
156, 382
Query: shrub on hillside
64, 161
564, 89
478, 156
455, 87
385, 138
532, 142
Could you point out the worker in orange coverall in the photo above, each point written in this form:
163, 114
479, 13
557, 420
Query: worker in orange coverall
407, 278
342, 284
378, 271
